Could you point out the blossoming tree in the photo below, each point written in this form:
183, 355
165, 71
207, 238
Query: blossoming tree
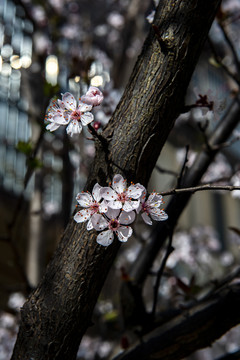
58, 312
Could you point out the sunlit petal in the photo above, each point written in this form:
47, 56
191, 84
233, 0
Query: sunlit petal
82, 215
105, 238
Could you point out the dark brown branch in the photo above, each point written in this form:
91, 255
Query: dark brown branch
196, 328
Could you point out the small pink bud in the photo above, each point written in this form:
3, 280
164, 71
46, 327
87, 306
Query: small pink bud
93, 96
97, 125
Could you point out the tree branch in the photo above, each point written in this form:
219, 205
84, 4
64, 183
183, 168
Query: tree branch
196, 328
200, 188
175, 207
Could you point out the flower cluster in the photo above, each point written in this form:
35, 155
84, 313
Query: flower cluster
75, 115
111, 209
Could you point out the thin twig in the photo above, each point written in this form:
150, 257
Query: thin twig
200, 188
159, 274
183, 167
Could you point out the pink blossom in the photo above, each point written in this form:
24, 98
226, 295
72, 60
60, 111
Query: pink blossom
121, 197
67, 112
93, 96
91, 205
150, 208
114, 220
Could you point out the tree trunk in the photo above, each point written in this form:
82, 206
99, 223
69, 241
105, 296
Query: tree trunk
58, 312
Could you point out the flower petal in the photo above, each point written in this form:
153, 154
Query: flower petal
144, 193
154, 200
87, 118
69, 101
126, 218
82, 215
158, 215
84, 199
123, 233
89, 224
105, 238
115, 204
74, 128
84, 107
59, 119
98, 222
108, 194
52, 127
96, 192
135, 191
119, 184
103, 207
130, 205
146, 218
112, 213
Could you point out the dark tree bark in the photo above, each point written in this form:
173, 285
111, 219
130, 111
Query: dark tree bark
58, 312
195, 328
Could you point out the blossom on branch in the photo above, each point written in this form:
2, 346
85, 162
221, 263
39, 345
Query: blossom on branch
68, 112
93, 96
114, 221
119, 196
91, 205
150, 208
111, 209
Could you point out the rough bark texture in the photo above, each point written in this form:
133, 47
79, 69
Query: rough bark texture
195, 328
58, 312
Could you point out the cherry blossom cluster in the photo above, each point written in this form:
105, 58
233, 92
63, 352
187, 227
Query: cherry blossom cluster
112, 209
71, 113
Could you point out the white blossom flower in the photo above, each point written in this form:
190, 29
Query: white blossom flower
67, 112
91, 205
114, 220
93, 96
150, 208
121, 197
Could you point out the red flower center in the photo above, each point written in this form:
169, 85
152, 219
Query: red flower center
114, 224
76, 115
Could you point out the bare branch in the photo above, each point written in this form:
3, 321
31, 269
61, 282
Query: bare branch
196, 328
200, 188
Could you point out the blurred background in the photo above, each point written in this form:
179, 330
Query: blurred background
50, 47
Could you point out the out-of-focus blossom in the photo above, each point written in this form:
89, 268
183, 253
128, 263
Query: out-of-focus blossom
217, 170
231, 6
210, 102
67, 112
150, 208
39, 15
150, 17
121, 197
116, 20
115, 221
42, 43
91, 205
93, 96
